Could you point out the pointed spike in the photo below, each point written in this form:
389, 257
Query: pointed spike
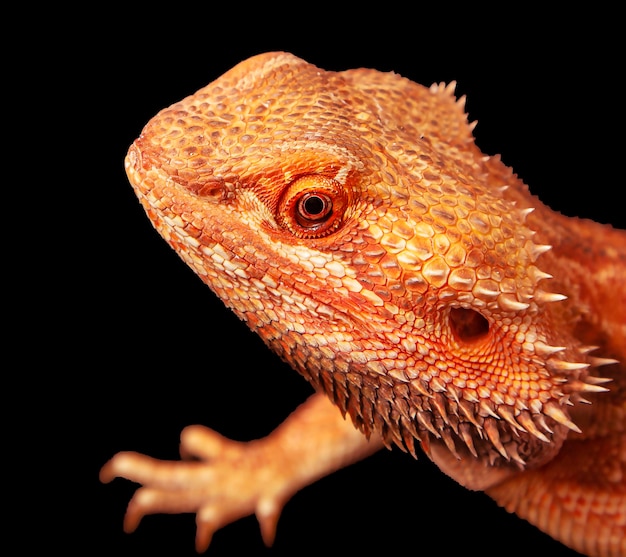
468, 410
525, 212
437, 385
409, 442
454, 408
544, 297
511, 449
415, 431
421, 388
439, 402
543, 349
411, 426
562, 365
585, 349
598, 362
526, 420
399, 441
540, 420
399, 444
447, 439
484, 405
491, 428
538, 274
525, 295
424, 419
497, 397
387, 443
583, 387
466, 435
485, 293
506, 303
403, 408
557, 414
520, 405
438, 87
470, 396
592, 380
379, 424
506, 413
454, 393
537, 249
398, 438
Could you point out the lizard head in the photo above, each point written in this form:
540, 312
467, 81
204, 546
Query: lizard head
351, 221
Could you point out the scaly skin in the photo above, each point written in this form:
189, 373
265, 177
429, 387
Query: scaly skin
351, 221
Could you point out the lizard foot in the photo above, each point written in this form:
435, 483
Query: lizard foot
220, 480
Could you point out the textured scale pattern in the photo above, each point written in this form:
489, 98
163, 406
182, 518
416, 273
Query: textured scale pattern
351, 221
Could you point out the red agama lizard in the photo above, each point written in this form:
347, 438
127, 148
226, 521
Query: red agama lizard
351, 221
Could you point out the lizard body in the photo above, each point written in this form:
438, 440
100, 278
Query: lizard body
351, 221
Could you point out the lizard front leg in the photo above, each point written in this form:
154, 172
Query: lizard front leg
223, 480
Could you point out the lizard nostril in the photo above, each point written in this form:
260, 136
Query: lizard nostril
468, 325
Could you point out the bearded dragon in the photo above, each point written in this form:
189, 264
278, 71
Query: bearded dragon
432, 302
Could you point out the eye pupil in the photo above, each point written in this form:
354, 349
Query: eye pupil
313, 205
314, 208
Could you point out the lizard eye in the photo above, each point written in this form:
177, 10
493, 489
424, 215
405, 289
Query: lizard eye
312, 206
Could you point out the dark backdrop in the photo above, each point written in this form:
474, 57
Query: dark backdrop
146, 349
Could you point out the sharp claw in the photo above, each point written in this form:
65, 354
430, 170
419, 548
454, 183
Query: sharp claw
130, 465
204, 534
133, 516
267, 513
106, 474
118, 465
131, 522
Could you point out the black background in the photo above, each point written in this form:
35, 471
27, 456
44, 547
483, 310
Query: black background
144, 347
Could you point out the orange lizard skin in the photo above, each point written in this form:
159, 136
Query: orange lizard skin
351, 221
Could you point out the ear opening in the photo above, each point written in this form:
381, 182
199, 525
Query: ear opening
468, 325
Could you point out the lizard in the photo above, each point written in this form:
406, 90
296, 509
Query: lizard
433, 302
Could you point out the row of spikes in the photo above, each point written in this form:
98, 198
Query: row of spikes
398, 419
